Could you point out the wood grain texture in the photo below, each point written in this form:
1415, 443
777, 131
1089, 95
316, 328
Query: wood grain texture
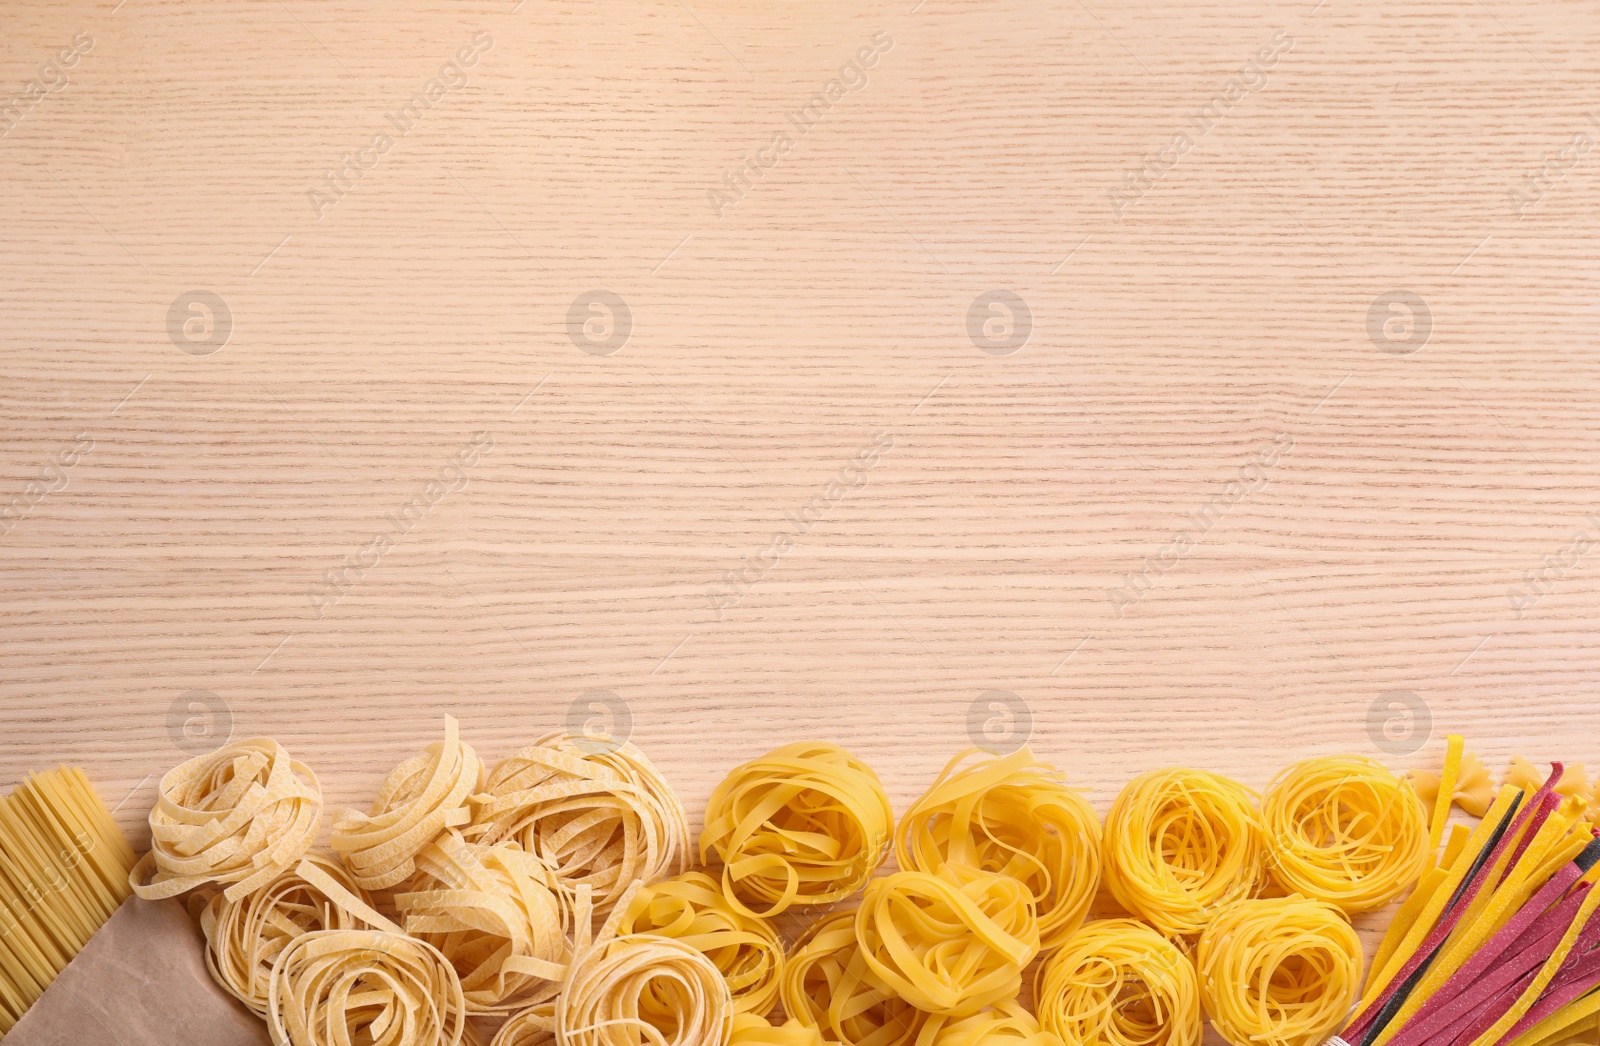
168, 584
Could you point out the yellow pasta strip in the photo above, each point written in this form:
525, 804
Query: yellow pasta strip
825, 986
692, 908
751, 1030
1447, 790
1015, 816
1406, 917
1117, 982
949, 944
1004, 1024
804, 824
1278, 971
1180, 844
1345, 830
1531, 995
241, 816
1573, 1018
598, 812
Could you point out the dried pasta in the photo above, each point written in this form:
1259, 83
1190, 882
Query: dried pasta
825, 986
1180, 844
245, 936
535, 1026
600, 815
949, 944
240, 816
494, 913
64, 868
1013, 816
804, 824
420, 799
1004, 1024
751, 1030
1473, 791
1117, 982
338, 987
1345, 830
692, 908
1278, 971
643, 990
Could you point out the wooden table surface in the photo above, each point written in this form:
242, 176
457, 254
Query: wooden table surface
1161, 382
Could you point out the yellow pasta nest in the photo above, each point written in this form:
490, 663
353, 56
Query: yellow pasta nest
1005, 1024
1279, 971
493, 913
693, 909
535, 1026
1180, 844
244, 937
751, 1030
1117, 982
949, 944
242, 815
1011, 816
826, 986
600, 815
641, 990
1345, 830
804, 824
337, 987
420, 799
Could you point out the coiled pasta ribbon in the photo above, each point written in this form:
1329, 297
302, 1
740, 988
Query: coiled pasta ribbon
241, 815
1006, 1024
244, 937
493, 912
1011, 816
825, 986
1278, 971
337, 987
1117, 982
642, 990
949, 944
420, 799
1181, 843
535, 1026
751, 1030
1345, 830
600, 815
693, 909
804, 824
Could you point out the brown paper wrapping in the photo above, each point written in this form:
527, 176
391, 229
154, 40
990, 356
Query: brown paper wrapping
141, 981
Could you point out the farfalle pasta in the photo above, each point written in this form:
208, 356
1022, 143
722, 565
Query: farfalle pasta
1345, 830
1179, 844
693, 909
239, 816
421, 798
1117, 982
826, 986
1010, 815
804, 824
494, 913
949, 944
599, 815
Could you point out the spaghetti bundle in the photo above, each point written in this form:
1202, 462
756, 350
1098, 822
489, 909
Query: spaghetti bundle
600, 815
337, 987
949, 944
245, 936
241, 815
1012, 816
63, 871
1345, 830
1180, 844
420, 799
804, 824
825, 986
693, 909
642, 990
1279, 971
1117, 982
751, 1030
1006, 1024
492, 912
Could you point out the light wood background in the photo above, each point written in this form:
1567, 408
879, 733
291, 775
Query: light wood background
164, 588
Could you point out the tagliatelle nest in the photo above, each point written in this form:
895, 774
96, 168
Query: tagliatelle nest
598, 813
1117, 982
535, 1026
1004, 1024
826, 986
421, 798
241, 815
642, 990
751, 1030
494, 913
